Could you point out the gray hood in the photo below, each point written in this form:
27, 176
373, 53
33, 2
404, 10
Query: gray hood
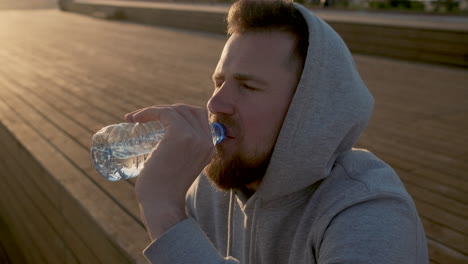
329, 111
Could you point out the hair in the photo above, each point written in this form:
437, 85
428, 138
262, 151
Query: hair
270, 15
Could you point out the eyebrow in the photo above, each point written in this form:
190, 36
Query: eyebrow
242, 77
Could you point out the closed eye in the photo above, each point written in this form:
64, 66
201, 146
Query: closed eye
248, 87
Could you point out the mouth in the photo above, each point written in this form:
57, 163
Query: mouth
229, 133
228, 125
227, 138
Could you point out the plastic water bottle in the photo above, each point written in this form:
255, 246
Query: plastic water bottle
119, 150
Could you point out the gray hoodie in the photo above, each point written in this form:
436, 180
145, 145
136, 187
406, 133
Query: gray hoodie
320, 201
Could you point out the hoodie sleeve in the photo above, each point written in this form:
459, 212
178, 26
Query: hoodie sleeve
184, 243
377, 230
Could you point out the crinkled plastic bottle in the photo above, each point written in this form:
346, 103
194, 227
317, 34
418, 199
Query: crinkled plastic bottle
119, 150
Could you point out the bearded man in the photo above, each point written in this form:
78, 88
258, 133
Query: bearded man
286, 184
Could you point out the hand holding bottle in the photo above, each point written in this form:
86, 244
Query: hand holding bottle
182, 154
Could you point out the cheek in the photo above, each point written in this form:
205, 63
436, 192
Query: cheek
263, 127
262, 118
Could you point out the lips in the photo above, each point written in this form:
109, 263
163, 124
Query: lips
229, 134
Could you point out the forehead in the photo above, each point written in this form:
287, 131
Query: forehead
257, 52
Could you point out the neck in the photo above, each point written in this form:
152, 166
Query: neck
251, 188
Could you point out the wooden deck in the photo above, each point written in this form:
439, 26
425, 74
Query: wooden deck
63, 76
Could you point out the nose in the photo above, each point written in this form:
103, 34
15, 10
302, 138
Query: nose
222, 101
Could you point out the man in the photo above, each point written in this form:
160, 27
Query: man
285, 186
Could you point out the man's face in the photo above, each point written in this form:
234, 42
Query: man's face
254, 80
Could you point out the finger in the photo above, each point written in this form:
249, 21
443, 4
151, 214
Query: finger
196, 117
202, 116
175, 118
189, 114
169, 117
129, 116
147, 114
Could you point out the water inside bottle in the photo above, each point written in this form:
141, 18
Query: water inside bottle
124, 159
119, 151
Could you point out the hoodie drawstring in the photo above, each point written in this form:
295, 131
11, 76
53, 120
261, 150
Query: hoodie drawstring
253, 232
230, 224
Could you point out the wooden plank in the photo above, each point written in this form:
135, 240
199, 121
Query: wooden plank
83, 113
425, 152
194, 20
433, 35
75, 215
442, 217
89, 109
445, 236
54, 126
405, 165
443, 254
434, 186
424, 119
67, 89
54, 90
16, 161
454, 207
380, 41
414, 150
50, 244
17, 225
406, 54
23, 179
21, 233
419, 159
438, 187
10, 251
416, 46
459, 184
163, 51
428, 116
82, 203
76, 80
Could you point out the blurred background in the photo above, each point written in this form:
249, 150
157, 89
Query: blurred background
68, 68
27, 4
429, 6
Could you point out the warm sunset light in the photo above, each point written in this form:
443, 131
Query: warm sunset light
292, 107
